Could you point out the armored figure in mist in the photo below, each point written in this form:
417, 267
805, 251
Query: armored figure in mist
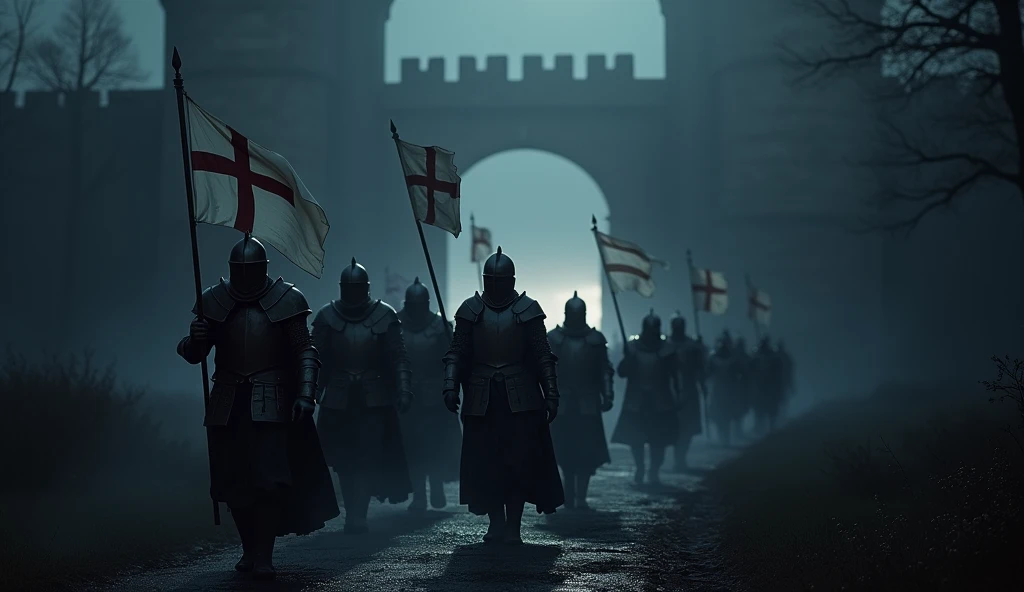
767, 374
728, 401
265, 458
651, 370
501, 357
364, 384
585, 381
691, 363
432, 436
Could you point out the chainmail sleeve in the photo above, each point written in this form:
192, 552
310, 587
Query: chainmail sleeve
459, 355
541, 355
399, 358
193, 353
305, 356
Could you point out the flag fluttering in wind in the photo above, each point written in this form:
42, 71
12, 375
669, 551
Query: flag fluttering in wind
481, 248
433, 181
627, 266
394, 286
710, 291
241, 184
760, 309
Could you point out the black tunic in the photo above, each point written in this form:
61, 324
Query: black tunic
507, 453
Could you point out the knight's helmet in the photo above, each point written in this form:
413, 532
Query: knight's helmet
417, 298
499, 278
355, 285
248, 267
724, 342
650, 329
575, 311
678, 325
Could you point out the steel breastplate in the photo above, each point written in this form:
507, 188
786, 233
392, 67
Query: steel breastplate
356, 351
498, 340
248, 341
578, 368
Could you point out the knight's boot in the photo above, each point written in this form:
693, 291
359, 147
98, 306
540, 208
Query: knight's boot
681, 449
267, 519
437, 497
357, 503
514, 523
419, 493
496, 529
570, 490
582, 486
638, 460
657, 459
243, 518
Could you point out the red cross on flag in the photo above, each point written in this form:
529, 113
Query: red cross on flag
481, 249
710, 290
627, 266
433, 181
240, 184
760, 307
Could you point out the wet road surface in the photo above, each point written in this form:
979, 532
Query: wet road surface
608, 548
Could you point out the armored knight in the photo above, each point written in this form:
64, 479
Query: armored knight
364, 384
767, 372
727, 402
691, 363
585, 381
648, 414
432, 436
265, 457
501, 357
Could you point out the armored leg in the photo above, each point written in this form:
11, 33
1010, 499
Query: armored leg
514, 523
638, 461
357, 502
570, 489
681, 448
496, 529
582, 485
243, 518
267, 519
657, 459
437, 498
419, 491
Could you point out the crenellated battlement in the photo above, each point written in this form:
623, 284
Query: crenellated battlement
490, 86
116, 99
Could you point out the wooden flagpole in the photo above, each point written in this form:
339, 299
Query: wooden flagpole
693, 299
604, 266
179, 89
751, 310
423, 239
479, 266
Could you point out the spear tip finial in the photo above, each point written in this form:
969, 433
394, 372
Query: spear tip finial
176, 61
394, 130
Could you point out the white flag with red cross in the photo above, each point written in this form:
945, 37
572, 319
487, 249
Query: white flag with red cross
627, 266
240, 184
760, 307
433, 181
481, 248
710, 290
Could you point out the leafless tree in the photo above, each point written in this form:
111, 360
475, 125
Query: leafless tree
964, 59
16, 31
87, 51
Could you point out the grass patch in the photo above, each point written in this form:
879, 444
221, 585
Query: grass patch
91, 485
910, 489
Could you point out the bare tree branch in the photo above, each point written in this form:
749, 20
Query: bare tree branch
16, 32
87, 51
956, 51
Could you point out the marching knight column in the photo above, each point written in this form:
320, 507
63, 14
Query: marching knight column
501, 357
365, 383
648, 409
585, 377
431, 434
265, 457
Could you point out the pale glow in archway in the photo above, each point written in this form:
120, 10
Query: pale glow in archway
538, 207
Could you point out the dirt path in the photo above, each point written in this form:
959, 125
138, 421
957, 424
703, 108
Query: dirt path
620, 546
